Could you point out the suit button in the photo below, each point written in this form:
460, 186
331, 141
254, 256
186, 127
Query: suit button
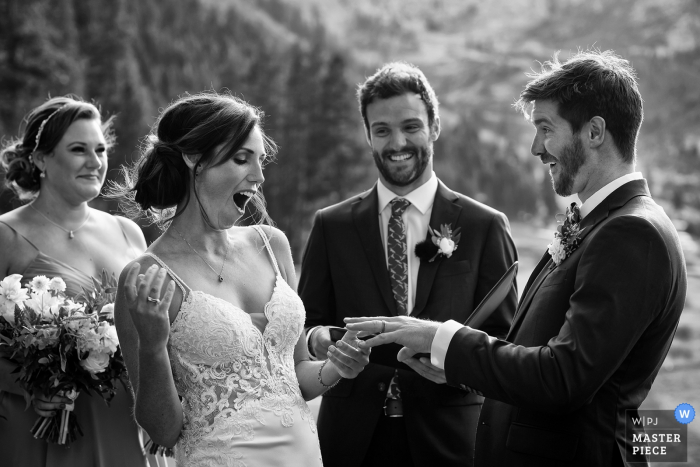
381, 387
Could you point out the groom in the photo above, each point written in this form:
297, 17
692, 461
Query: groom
360, 259
599, 312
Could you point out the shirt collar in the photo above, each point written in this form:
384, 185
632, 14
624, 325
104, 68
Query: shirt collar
422, 197
604, 192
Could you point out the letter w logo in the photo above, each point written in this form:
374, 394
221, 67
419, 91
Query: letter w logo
684, 413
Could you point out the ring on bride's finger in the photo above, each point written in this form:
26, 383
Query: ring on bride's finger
383, 327
153, 300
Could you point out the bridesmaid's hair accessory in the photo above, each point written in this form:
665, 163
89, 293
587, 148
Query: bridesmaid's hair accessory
41, 128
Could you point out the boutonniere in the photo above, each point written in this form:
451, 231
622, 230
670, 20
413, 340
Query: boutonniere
567, 236
443, 242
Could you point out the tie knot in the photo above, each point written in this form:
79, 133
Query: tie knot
399, 205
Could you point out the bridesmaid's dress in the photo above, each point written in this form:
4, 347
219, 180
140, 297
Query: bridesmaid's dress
111, 437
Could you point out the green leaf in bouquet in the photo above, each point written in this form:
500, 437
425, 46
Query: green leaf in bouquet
64, 358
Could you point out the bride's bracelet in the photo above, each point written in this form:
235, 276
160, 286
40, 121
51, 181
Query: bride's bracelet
321, 380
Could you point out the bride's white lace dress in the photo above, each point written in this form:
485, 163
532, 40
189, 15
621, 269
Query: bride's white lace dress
240, 395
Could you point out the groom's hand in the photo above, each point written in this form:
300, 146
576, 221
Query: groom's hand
422, 366
320, 341
416, 334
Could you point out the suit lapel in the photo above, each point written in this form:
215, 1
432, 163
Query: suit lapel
533, 284
544, 261
445, 211
365, 215
615, 200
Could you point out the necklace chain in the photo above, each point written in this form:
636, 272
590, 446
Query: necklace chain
220, 273
71, 233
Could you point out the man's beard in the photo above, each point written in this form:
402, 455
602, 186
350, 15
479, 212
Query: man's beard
570, 161
421, 156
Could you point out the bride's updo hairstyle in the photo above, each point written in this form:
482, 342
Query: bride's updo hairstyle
40, 131
194, 124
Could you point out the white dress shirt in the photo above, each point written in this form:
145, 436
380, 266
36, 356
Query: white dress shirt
416, 219
448, 329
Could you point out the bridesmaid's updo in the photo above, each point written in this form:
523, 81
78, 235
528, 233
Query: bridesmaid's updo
40, 131
159, 181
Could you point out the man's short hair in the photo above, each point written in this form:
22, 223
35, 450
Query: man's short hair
591, 83
395, 79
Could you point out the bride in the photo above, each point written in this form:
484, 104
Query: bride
208, 318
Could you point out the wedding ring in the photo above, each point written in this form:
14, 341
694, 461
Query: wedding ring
153, 300
383, 327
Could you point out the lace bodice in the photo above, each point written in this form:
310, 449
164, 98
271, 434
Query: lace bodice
228, 372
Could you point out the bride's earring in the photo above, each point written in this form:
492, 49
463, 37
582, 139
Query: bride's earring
42, 174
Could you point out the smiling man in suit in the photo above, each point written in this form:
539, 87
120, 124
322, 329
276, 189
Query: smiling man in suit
600, 310
360, 259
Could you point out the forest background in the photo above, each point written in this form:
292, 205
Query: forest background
301, 61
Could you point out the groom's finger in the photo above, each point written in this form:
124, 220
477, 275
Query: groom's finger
380, 339
436, 376
405, 353
372, 326
365, 319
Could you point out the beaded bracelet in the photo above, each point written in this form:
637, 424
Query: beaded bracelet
321, 381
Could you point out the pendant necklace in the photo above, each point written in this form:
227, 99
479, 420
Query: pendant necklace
220, 273
71, 233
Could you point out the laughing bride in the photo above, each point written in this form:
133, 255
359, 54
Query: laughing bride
208, 318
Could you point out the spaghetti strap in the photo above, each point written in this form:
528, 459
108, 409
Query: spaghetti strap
180, 283
126, 237
269, 248
20, 235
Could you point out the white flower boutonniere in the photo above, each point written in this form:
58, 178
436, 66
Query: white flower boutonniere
567, 235
443, 242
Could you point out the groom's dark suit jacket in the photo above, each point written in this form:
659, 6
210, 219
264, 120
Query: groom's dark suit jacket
344, 273
586, 343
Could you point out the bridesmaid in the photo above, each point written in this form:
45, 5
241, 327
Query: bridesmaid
58, 165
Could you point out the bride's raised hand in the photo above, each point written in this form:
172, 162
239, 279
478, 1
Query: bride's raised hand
148, 310
348, 357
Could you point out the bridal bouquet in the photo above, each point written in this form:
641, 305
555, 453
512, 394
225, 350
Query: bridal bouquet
61, 346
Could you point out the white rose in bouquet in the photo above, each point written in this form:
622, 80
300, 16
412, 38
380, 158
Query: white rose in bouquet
11, 294
89, 340
107, 311
110, 340
96, 362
